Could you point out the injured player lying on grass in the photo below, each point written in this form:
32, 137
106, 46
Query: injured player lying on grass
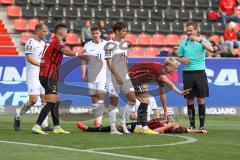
160, 125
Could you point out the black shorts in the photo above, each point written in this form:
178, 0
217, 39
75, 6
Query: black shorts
138, 88
197, 80
49, 84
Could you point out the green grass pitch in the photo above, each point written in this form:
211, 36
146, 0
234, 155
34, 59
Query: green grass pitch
222, 143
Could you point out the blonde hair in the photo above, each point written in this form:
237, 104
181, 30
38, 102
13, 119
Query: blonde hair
172, 61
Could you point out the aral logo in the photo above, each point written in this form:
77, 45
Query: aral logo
10, 75
225, 77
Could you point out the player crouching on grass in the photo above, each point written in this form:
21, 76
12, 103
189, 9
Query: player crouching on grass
148, 72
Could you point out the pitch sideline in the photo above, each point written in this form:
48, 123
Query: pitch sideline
97, 150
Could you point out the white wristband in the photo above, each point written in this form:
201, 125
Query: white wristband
76, 54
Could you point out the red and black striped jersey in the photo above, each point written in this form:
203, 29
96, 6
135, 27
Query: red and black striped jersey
51, 59
146, 72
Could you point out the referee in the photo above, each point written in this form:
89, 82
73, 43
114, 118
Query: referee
192, 53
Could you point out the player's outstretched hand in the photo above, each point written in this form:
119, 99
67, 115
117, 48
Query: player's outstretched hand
185, 92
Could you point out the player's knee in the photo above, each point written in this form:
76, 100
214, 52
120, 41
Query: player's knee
33, 101
200, 100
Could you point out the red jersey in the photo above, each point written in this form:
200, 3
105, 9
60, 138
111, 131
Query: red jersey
228, 6
51, 59
230, 35
146, 72
156, 123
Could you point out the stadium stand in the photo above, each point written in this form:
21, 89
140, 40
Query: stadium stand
13, 11
144, 39
137, 52
152, 52
25, 36
27, 11
6, 2
150, 17
6, 44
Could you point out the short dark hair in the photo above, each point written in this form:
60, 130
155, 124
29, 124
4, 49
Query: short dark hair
119, 26
192, 24
59, 26
95, 28
38, 27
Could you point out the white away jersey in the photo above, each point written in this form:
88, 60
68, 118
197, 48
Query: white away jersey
117, 51
35, 48
96, 66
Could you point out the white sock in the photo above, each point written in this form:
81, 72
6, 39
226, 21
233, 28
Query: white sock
113, 127
57, 127
138, 126
45, 122
145, 128
113, 116
37, 126
98, 112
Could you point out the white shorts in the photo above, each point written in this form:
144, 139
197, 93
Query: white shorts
35, 87
98, 87
114, 89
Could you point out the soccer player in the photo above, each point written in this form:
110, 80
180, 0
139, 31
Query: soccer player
95, 74
148, 72
33, 51
117, 61
192, 53
49, 74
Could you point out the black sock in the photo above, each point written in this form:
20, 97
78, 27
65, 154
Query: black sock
55, 114
191, 115
201, 113
99, 129
142, 114
44, 112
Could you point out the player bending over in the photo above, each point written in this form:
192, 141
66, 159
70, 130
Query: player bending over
148, 72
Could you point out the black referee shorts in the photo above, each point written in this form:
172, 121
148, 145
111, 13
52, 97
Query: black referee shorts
49, 84
197, 80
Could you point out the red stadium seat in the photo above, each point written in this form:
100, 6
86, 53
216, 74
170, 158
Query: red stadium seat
67, 47
137, 52
158, 39
182, 37
215, 38
13, 11
72, 39
152, 52
20, 24
25, 36
7, 2
144, 39
77, 49
32, 23
172, 40
5, 40
132, 38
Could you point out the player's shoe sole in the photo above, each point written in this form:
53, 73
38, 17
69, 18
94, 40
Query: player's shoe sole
60, 131
149, 131
38, 131
16, 123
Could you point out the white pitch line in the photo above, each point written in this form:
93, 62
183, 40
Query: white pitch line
188, 140
78, 150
